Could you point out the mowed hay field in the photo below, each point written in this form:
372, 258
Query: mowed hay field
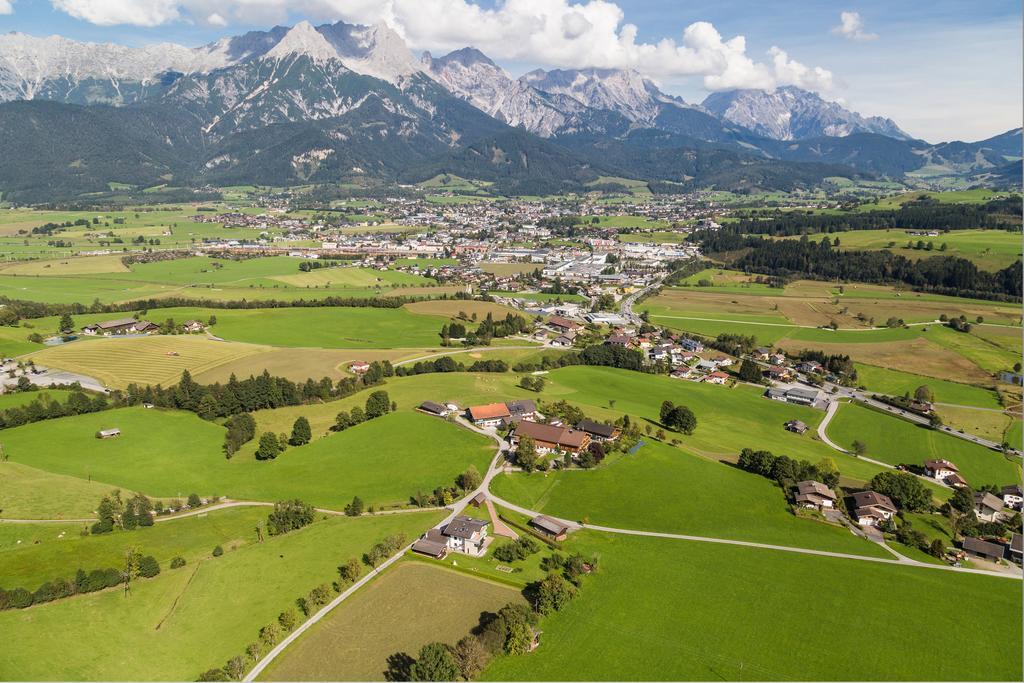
142, 360
662, 609
187, 620
31, 493
677, 489
172, 454
71, 266
897, 441
412, 604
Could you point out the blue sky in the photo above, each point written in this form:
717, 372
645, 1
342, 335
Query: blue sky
942, 69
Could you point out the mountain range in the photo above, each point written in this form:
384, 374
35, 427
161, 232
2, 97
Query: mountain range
341, 102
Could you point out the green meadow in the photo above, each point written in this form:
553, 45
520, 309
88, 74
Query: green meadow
661, 488
702, 611
897, 441
190, 619
172, 454
897, 383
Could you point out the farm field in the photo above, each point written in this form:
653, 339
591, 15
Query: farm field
989, 249
412, 604
193, 538
897, 383
187, 620
173, 454
678, 589
987, 424
678, 489
896, 441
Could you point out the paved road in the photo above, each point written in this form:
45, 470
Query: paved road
626, 305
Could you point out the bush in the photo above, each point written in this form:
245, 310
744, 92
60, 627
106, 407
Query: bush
149, 567
520, 549
289, 515
218, 551
177, 562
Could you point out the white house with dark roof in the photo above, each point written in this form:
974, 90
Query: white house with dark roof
987, 507
467, 535
940, 469
814, 494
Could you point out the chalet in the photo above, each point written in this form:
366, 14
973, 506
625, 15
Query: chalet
716, 377
432, 544
940, 469
623, 340
549, 438
761, 353
145, 327
814, 494
479, 499
691, 345
108, 433
682, 372
1013, 497
467, 535
923, 407
489, 415
550, 527
777, 358
956, 481
707, 365
987, 507
984, 549
796, 426
778, 373
432, 408
871, 508
563, 325
193, 326
522, 410
359, 367
810, 367
598, 431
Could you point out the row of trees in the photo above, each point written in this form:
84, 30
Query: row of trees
949, 275
448, 364
289, 515
306, 605
45, 408
377, 404
786, 470
136, 566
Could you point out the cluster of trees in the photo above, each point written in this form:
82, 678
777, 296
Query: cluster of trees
949, 275
241, 429
532, 383
377, 404
960, 509
488, 329
136, 565
959, 324
468, 481
733, 344
786, 470
916, 215
679, 418
45, 408
906, 491
308, 265
519, 549
113, 513
289, 515
837, 364
383, 550
751, 372
448, 364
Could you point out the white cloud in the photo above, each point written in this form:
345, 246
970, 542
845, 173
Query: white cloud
851, 27
556, 33
216, 20
6, 6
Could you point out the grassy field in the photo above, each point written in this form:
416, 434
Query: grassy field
22, 397
172, 454
193, 538
413, 604
31, 493
710, 612
187, 620
897, 383
661, 488
896, 441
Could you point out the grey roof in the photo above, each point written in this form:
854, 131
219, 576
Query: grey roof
521, 407
810, 394
873, 499
816, 487
1012, 490
548, 524
1017, 543
432, 407
429, 547
773, 392
464, 527
986, 499
598, 428
980, 547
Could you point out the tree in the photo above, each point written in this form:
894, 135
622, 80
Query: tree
859, 448
937, 548
924, 394
289, 515
750, 371
906, 490
355, 508
962, 500
147, 567
435, 663
269, 447
378, 403
67, 324
218, 551
470, 479
177, 562
208, 408
301, 432
350, 571
194, 500
552, 594
526, 453
470, 657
